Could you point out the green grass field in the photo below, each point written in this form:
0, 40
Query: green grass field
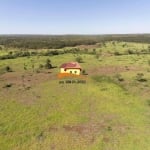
110, 112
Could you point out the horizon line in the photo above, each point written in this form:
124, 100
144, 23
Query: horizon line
72, 34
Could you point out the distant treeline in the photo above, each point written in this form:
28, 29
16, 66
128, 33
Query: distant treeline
55, 42
26, 53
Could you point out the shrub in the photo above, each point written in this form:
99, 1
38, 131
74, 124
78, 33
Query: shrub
103, 79
7, 57
94, 51
48, 64
8, 85
117, 53
124, 45
109, 128
148, 102
41, 66
140, 77
119, 77
79, 59
26, 54
33, 53
97, 56
37, 71
130, 51
84, 72
8, 69
149, 48
149, 62
47, 53
25, 67
86, 50
55, 52
10, 53
148, 70
33, 67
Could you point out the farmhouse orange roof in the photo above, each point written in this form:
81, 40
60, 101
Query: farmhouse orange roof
71, 65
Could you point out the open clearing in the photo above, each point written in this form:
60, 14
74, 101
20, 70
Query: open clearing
110, 112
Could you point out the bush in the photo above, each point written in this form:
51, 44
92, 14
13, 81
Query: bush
117, 53
8, 69
79, 59
25, 54
94, 51
10, 53
55, 52
37, 71
41, 66
8, 85
25, 67
149, 62
119, 77
86, 50
148, 102
140, 77
84, 72
7, 57
103, 79
124, 45
33, 53
130, 51
47, 53
97, 56
48, 64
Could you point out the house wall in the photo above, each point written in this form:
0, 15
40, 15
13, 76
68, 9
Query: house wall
74, 71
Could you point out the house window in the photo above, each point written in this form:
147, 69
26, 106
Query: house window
75, 72
70, 71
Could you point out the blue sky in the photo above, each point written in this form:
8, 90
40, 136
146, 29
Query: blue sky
74, 16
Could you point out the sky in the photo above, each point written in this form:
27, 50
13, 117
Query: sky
74, 16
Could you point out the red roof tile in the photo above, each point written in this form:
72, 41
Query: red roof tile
71, 65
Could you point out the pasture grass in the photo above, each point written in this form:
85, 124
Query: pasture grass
103, 114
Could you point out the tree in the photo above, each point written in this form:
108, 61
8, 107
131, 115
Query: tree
48, 64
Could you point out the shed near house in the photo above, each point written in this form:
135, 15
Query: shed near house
71, 68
